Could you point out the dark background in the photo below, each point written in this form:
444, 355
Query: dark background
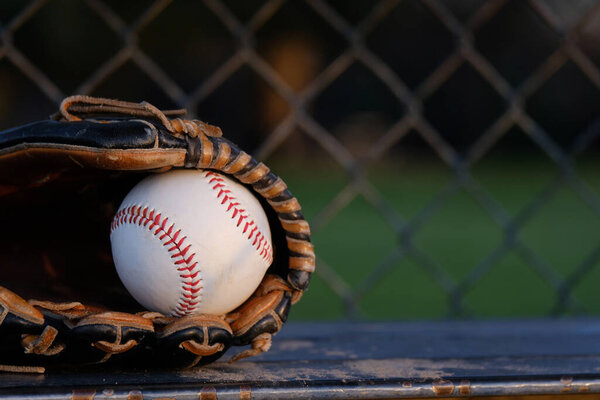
445, 152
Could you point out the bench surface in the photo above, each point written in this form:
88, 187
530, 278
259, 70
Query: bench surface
365, 360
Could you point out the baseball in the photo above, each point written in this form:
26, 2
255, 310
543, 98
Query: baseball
191, 242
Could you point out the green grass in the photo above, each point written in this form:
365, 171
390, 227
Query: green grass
457, 236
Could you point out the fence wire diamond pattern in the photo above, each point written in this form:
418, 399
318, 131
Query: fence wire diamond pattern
465, 52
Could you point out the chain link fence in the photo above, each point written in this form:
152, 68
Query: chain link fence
334, 88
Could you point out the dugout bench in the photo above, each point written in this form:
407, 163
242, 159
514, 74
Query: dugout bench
555, 358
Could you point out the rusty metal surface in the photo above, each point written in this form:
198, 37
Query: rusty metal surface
379, 360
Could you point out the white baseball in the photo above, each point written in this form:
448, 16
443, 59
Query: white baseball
191, 241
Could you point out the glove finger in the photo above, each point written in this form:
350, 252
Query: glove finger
193, 340
18, 315
17, 318
265, 312
97, 337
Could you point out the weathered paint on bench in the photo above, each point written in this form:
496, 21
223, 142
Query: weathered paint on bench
365, 360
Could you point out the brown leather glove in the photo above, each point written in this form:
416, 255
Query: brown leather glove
61, 181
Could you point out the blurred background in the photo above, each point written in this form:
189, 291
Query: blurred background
444, 152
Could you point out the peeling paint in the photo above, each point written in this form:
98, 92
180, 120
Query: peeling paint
584, 388
83, 395
442, 387
465, 388
245, 392
567, 382
135, 395
208, 393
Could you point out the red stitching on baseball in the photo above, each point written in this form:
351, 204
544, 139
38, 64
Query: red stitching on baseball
247, 225
260, 242
252, 232
185, 266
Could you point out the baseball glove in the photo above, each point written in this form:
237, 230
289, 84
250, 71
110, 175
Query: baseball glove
61, 181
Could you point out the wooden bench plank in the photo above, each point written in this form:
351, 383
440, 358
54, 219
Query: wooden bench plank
376, 360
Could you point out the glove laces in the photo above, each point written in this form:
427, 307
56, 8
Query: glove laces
78, 107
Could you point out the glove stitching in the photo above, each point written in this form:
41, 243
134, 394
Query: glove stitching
259, 241
187, 267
